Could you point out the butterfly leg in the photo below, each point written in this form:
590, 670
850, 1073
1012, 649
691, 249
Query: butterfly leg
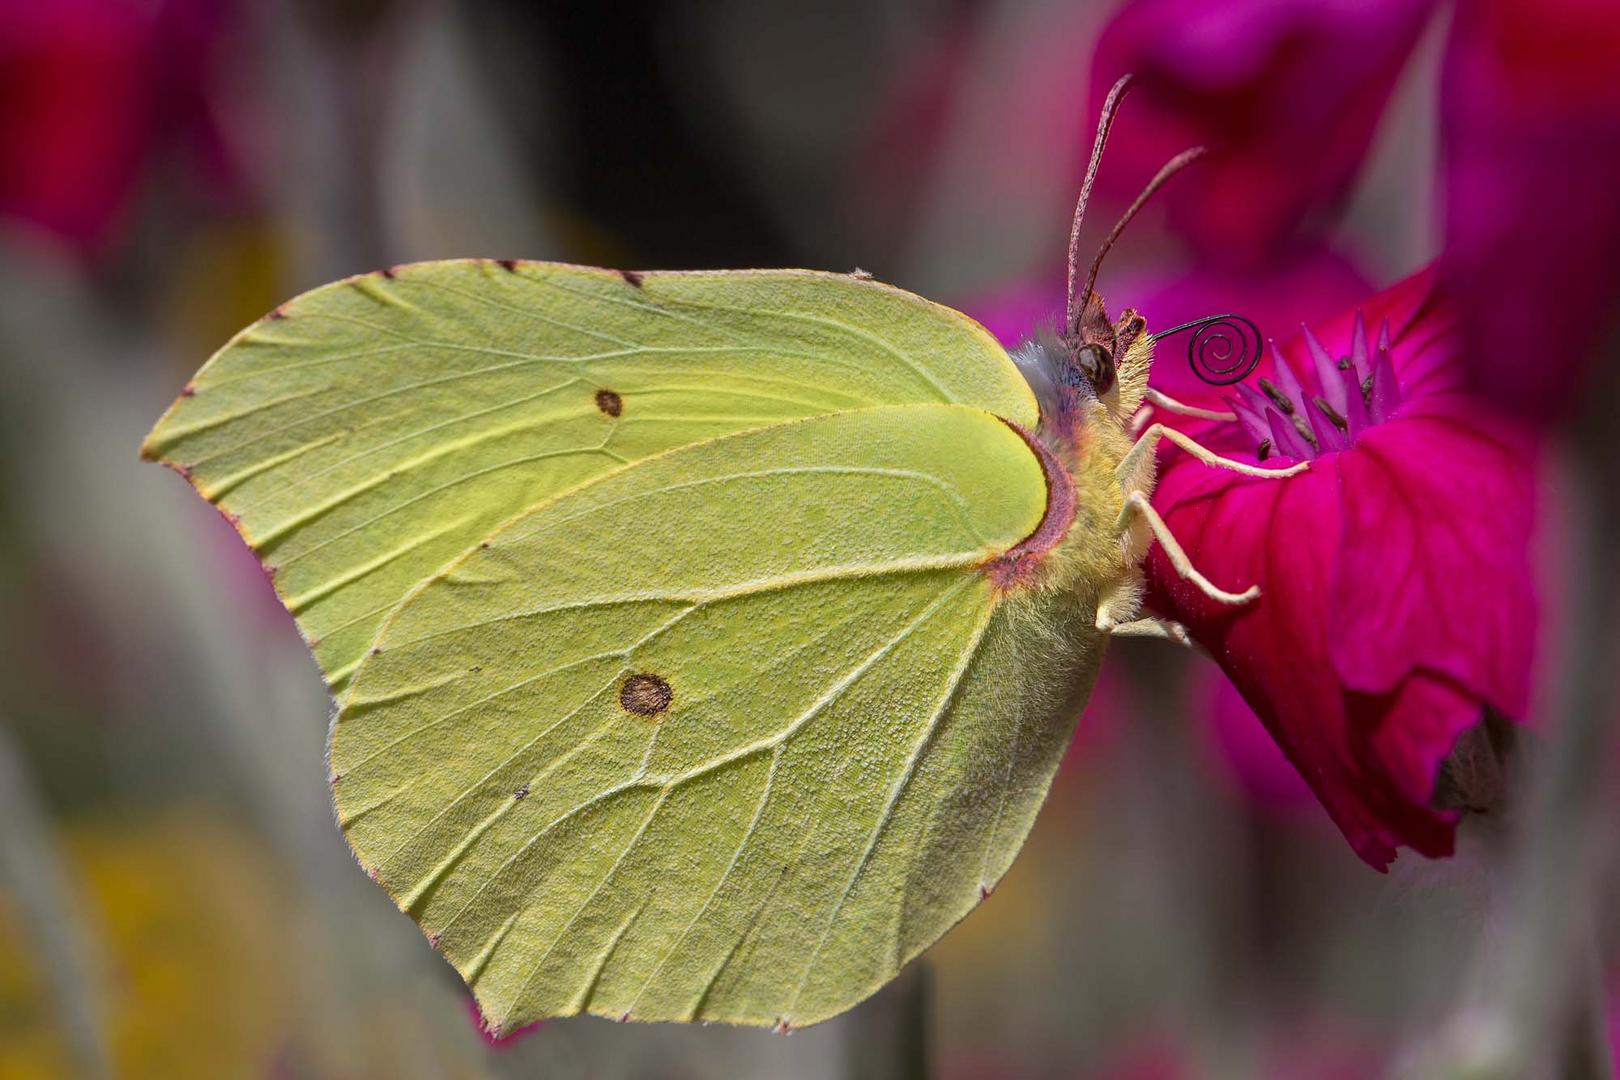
1171, 405
1138, 508
1143, 416
1133, 463
1146, 627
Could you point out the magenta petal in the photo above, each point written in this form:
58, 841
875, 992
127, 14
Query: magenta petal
1285, 440
1253, 399
1530, 119
1396, 579
1424, 355
1281, 534
1287, 381
1287, 94
1411, 309
1360, 357
1327, 371
1328, 436
1355, 412
1250, 413
1386, 390
1435, 570
1412, 731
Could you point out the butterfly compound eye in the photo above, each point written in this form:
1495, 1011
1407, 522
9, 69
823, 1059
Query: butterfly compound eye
1097, 365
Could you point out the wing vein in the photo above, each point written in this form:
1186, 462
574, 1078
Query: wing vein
725, 875
658, 804
895, 792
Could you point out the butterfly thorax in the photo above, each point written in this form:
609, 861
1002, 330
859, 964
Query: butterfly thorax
1088, 434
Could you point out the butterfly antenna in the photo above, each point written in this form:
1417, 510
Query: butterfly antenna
1104, 123
1077, 302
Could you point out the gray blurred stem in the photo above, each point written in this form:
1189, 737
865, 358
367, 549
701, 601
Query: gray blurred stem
889, 1036
1537, 1008
49, 914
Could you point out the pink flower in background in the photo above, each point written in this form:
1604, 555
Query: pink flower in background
1397, 591
90, 90
1531, 140
1286, 93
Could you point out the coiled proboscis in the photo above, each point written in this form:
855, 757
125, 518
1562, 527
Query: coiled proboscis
1223, 349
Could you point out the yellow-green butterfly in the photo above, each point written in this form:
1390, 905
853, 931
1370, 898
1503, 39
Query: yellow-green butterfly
703, 644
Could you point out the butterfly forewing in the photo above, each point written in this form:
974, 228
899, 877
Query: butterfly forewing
367, 433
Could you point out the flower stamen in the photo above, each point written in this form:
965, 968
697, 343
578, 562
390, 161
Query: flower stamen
1331, 413
1278, 398
1324, 407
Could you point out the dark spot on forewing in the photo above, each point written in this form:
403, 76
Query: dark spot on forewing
609, 402
632, 277
646, 694
509, 264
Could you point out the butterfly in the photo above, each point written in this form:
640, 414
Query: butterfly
702, 644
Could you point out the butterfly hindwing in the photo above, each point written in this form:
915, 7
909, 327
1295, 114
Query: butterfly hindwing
367, 433
731, 733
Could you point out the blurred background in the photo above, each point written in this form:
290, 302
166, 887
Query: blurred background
175, 899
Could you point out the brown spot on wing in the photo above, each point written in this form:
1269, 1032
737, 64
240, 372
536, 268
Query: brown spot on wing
609, 402
646, 694
632, 277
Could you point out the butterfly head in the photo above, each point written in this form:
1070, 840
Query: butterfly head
1099, 372
1107, 359
1102, 359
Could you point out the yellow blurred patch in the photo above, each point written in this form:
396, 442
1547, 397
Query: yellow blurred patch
184, 921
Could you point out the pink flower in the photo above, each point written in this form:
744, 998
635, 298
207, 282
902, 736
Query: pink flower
90, 90
1530, 110
1286, 92
1397, 601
